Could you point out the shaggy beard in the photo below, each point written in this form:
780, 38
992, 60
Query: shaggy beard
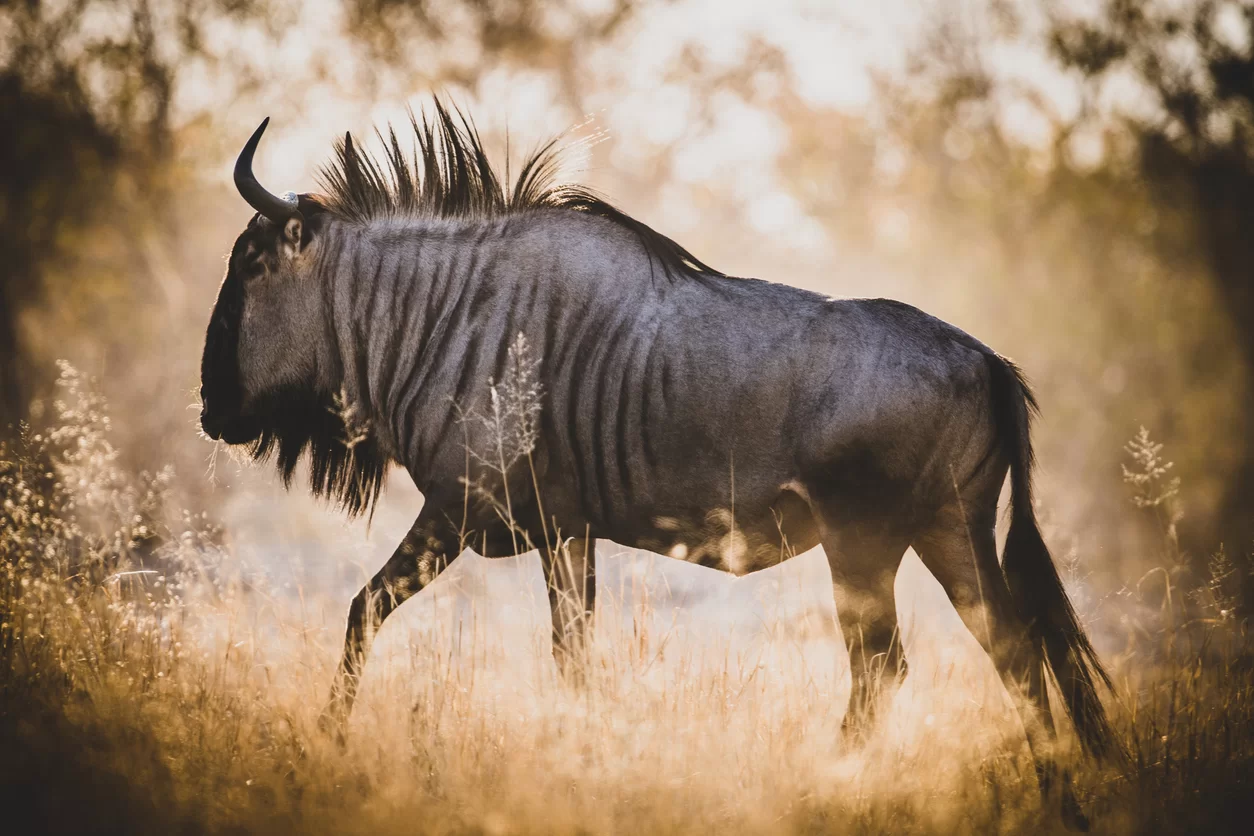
345, 465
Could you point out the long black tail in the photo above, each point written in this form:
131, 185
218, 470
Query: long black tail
1034, 583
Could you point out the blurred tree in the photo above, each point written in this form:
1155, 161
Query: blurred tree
1183, 75
86, 89
53, 154
540, 34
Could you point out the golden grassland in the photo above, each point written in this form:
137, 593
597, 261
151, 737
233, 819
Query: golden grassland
150, 682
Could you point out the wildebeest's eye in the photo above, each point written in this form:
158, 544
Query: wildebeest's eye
254, 269
250, 261
253, 262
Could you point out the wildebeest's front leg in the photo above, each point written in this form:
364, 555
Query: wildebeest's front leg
570, 574
432, 542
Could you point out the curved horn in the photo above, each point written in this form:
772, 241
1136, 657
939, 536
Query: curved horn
275, 208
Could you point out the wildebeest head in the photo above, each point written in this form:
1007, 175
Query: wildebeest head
258, 341
267, 375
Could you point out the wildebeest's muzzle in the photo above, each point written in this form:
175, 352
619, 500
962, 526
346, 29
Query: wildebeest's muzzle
222, 415
233, 429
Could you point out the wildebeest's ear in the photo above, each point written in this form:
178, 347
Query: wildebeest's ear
293, 232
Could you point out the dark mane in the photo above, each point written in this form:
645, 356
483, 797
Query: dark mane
449, 175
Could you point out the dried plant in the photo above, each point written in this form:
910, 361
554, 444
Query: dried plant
511, 426
1153, 486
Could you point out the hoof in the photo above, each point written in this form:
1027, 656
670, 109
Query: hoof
572, 671
331, 725
1073, 817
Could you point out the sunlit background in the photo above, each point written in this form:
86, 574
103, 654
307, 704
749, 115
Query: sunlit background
1071, 182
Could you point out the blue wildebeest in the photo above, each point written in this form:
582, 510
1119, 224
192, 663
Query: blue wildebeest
726, 421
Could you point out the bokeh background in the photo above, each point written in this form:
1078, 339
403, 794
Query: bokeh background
1071, 182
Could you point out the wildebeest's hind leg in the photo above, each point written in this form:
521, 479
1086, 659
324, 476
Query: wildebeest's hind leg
570, 574
864, 560
960, 550
432, 542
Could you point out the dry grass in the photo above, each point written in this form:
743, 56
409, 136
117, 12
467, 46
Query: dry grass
151, 681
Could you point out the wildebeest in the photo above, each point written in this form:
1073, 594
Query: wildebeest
724, 420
